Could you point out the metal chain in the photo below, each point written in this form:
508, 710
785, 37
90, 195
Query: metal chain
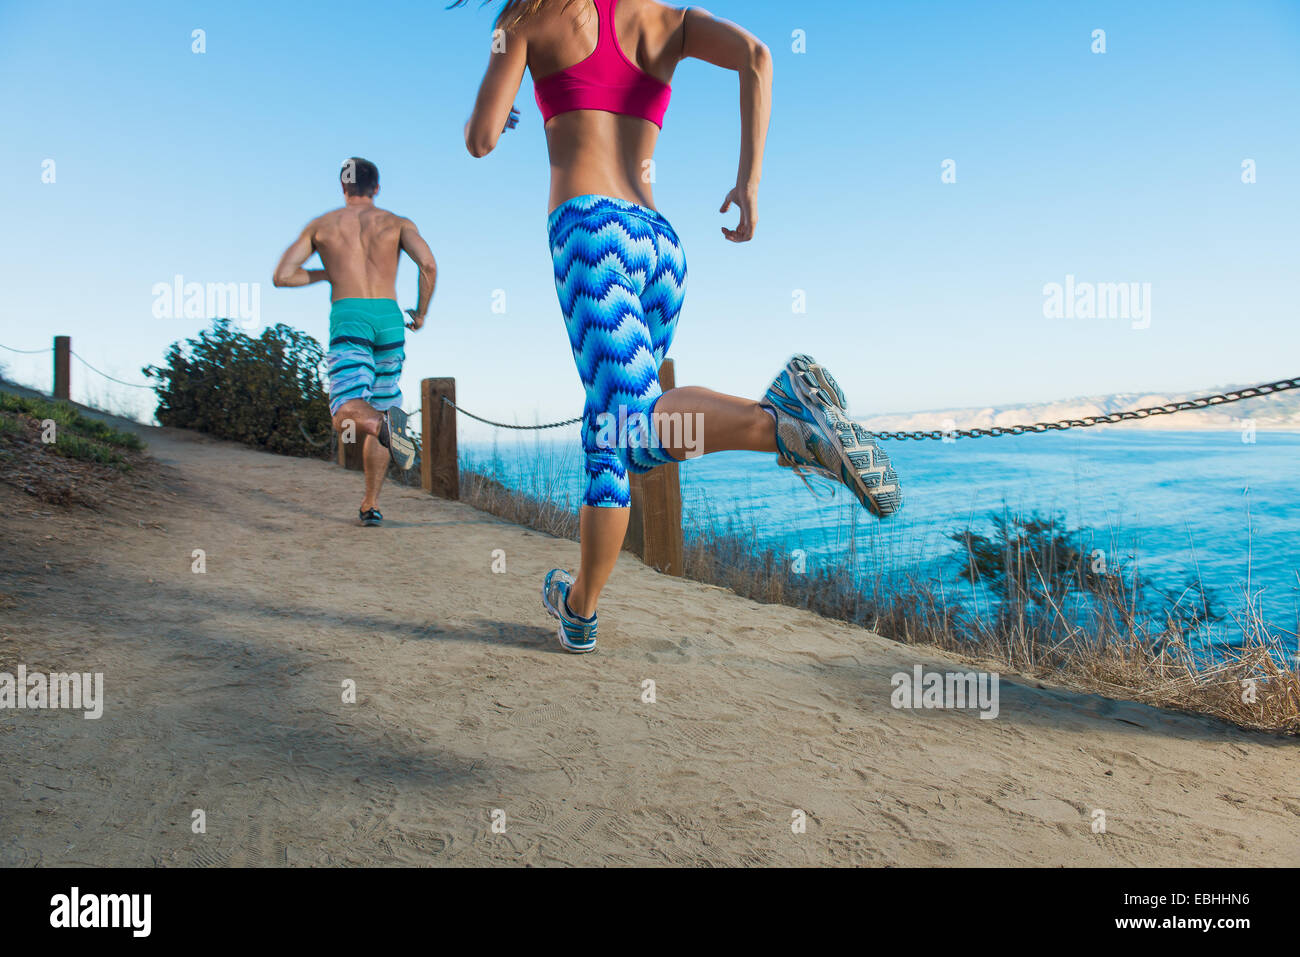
310, 440
503, 425
1202, 402
133, 385
1088, 421
1061, 425
414, 431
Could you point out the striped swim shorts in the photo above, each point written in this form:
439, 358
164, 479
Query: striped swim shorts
367, 348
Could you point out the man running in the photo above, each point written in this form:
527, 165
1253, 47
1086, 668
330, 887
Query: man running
359, 246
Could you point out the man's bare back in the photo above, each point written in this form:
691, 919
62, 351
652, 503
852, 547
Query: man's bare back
359, 247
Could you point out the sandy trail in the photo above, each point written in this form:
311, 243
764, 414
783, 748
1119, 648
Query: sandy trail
224, 694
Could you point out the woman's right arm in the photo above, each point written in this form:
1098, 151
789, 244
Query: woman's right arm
731, 47
494, 109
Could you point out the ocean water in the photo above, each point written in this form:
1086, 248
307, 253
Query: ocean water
1182, 505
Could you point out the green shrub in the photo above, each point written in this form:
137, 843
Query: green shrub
267, 391
1038, 568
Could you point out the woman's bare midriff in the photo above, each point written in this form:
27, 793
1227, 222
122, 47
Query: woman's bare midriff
603, 154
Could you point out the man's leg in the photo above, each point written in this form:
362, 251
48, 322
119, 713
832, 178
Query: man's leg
361, 416
376, 460
357, 418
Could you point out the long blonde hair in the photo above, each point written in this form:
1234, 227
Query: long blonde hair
514, 12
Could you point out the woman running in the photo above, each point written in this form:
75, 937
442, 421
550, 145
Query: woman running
601, 70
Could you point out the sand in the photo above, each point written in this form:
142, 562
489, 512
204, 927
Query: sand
224, 694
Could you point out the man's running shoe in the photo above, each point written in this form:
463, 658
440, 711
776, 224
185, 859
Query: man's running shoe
577, 634
370, 517
814, 435
392, 436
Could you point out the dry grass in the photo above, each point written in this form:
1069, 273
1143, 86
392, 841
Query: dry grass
489, 495
1249, 687
84, 465
1103, 642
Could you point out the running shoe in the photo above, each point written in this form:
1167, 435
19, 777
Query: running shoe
577, 634
821, 377
392, 436
813, 435
875, 472
370, 517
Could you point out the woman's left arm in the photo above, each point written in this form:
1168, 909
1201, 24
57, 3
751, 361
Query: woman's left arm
494, 110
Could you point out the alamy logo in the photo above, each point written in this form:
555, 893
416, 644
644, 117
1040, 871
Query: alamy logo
133, 911
37, 691
952, 689
1098, 300
636, 430
178, 299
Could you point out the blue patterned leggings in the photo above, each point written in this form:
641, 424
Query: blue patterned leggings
621, 277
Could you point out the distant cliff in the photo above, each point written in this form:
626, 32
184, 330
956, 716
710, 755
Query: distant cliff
1274, 413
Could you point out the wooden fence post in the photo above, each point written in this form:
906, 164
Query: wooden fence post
654, 530
63, 367
352, 455
439, 464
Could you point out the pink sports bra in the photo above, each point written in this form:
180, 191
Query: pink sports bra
607, 80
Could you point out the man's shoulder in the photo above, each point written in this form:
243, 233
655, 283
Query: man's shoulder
326, 218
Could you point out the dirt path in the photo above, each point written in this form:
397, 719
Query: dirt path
224, 693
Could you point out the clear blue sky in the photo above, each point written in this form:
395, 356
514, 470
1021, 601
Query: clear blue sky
1122, 166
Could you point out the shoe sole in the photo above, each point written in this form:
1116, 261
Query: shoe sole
872, 468
821, 376
564, 641
864, 466
400, 449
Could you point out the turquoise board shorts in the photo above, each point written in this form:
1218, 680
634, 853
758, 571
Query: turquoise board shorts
367, 348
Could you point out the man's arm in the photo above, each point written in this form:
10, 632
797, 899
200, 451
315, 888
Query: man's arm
290, 272
494, 111
413, 245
